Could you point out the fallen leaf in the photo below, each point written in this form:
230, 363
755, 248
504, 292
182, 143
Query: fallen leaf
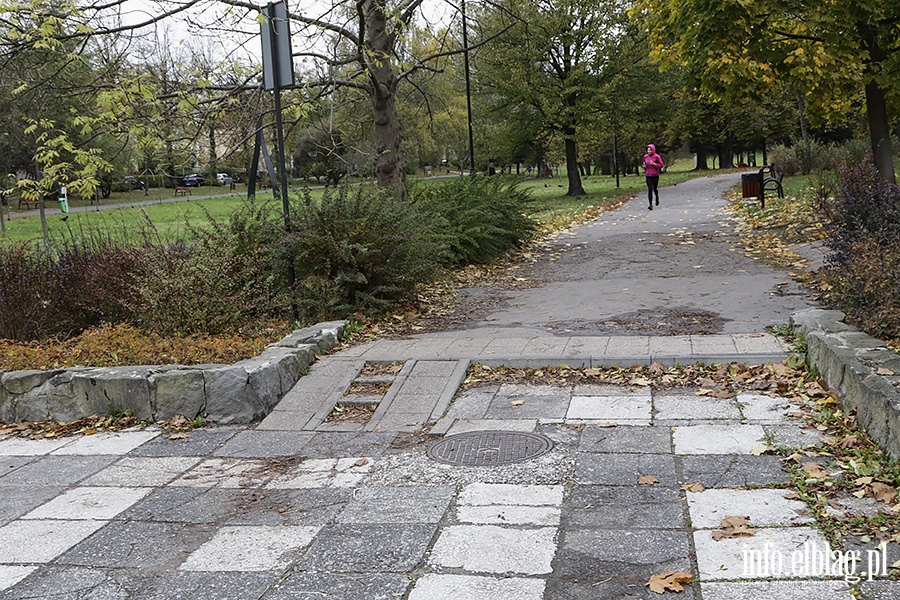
792, 496
884, 493
732, 527
670, 580
641, 381
884, 371
814, 471
863, 481
517, 402
603, 425
647, 480
694, 486
760, 450
181, 435
656, 368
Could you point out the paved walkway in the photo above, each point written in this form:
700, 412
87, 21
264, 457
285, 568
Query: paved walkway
301, 506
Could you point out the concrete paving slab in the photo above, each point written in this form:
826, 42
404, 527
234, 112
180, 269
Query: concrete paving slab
368, 548
673, 345
208, 586
635, 507
20, 499
586, 346
794, 435
197, 505
468, 425
528, 402
318, 473
23, 447
718, 439
739, 558
8, 464
759, 408
879, 590
76, 583
327, 445
609, 587
509, 515
766, 508
626, 440
251, 443
733, 470
341, 586
200, 442
154, 547
597, 554
10, 575
23, 542
139, 471
610, 408
57, 470
493, 494
492, 549
758, 343
473, 403
628, 346
226, 473
676, 406
97, 503
398, 504
624, 469
778, 590
433, 586
118, 442
260, 548
712, 345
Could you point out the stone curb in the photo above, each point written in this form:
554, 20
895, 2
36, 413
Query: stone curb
227, 394
849, 362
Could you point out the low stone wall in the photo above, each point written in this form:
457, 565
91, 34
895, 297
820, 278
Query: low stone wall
860, 368
238, 393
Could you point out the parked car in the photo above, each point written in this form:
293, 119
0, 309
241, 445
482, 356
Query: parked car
134, 183
194, 180
223, 178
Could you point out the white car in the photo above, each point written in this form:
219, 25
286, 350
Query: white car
223, 177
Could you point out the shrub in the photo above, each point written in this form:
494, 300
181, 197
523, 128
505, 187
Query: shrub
359, 250
481, 218
864, 242
26, 280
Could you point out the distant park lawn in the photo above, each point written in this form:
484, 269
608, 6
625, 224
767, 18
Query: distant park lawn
169, 219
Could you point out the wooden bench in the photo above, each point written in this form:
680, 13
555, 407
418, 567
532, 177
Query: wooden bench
183, 191
755, 185
28, 203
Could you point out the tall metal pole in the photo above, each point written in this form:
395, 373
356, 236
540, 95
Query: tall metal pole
468, 89
279, 129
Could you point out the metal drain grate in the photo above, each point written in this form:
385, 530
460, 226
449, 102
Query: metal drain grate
489, 448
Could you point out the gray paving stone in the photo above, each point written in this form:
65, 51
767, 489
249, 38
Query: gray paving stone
778, 590
492, 549
342, 586
539, 402
57, 470
251, 548
230, 473
611, 408
593, 554
626, 440
66, 583
880, 590
494, 494
733, 471
338, 445
608, 587
406, 504
200, 442
473, 403
361, 548
793, 435
469, 425
638, 507
10, 575
288, 507
20, 499
324, 472
624, 469
145, 546
8, 464
186, 505
206, 586
251, 443
759, 408
433, 586
562, 434
509, 515
23, 447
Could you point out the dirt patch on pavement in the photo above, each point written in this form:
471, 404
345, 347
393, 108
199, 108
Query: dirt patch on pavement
675, 321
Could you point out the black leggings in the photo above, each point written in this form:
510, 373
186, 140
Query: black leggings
653, 187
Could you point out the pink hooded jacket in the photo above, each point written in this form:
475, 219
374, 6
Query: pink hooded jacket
653, 162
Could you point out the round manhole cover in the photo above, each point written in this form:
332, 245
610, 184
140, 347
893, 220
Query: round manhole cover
488, 448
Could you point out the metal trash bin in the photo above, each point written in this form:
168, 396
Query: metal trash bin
751, 185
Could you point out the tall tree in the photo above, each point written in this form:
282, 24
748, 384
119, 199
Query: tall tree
832, 52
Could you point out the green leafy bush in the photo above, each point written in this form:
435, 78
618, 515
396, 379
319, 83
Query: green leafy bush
863, 266
359, 250
480, 218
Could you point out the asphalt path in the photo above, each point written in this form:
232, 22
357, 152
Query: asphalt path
675, 270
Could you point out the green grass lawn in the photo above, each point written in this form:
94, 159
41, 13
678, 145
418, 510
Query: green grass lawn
169, 219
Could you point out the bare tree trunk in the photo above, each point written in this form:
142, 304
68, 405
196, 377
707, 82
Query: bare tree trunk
876, 106
575, 186
388, 163
804, 131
